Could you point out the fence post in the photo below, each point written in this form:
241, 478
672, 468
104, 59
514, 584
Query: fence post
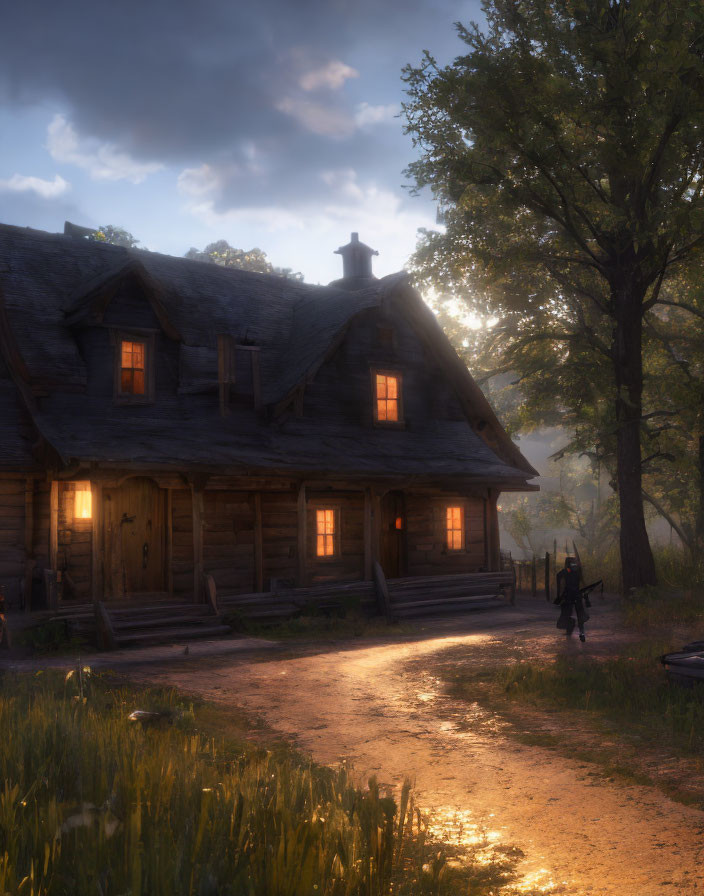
534, 578
547, 576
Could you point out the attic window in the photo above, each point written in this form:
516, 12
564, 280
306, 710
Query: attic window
455, 528
132, 367
387, 397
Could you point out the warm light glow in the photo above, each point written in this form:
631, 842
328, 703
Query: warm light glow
399, 522
325, 532
83, 502
132, 367
387, 398
455, 528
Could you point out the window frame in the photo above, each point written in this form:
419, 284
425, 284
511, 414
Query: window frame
463, 527
336, 540
392, 424
148, 339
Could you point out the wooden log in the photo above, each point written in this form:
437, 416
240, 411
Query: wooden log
493, 531
382, 592
533, 577
258, 543
28, 543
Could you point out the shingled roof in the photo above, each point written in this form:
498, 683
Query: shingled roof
49, 282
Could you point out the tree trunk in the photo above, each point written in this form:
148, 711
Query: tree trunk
699, 526
637, 561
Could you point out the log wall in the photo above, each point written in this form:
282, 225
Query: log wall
182, 550
279, 537
12, 552
228, 540
427, 536
348, 564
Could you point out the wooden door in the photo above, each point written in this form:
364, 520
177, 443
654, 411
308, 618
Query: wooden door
135, 538
393, 538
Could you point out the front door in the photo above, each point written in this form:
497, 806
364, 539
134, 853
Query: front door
393, 540
135, 537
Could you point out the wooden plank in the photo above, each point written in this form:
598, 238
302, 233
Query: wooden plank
382, 592
170, 541
302, 537
28, 542
256, 380
197, 510
258, 543
97, 542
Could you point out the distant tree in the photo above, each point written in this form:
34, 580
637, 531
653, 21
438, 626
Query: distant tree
567, 154
115, 236
222, 253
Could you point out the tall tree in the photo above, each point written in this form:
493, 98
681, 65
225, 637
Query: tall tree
567, 154
222, 253
115, 236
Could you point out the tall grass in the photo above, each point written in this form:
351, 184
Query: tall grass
91, 803
631, 690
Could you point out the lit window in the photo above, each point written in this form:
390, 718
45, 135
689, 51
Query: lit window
455, 528
325, 532
387, 398
399, 522
132, 380
83, 501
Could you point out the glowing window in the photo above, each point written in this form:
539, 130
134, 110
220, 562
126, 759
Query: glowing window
455, 528
399, 522
325, 532
387, 398
132, 356
83, 501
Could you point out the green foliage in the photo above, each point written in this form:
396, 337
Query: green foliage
222, 253
91, 802
566, 154
115, 236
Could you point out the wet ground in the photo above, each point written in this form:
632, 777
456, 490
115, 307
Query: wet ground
380, 705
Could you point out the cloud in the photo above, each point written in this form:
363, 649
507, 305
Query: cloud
322, 119
332, 76
102, 161
366, 114
45, 189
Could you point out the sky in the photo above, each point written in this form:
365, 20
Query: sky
272, 124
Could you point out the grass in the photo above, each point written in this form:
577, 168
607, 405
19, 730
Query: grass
93, 803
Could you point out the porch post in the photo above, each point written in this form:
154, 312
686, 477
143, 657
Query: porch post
493, 538
197, 505
302, 536
54, 536
97, 561
28, 542
368, 535
258, 544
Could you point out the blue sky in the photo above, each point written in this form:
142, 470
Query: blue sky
274, 124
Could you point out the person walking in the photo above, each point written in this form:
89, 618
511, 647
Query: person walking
570, 598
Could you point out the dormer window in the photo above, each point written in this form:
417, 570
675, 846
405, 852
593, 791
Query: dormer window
388, 402
134, 368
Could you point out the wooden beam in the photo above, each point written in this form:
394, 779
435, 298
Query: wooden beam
54, 526
302, 536
28, 542
368, 523
170, 541
258, 544
97, 563
197, 504
493, 531
256, 380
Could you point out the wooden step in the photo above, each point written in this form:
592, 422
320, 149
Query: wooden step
442, 608
128, 625
175, 633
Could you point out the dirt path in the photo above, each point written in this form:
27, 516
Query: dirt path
381, 707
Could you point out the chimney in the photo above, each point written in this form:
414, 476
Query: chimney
356, 263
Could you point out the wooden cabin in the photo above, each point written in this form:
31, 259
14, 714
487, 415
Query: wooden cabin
163, 418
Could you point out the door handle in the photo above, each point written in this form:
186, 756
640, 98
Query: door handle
145, 554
